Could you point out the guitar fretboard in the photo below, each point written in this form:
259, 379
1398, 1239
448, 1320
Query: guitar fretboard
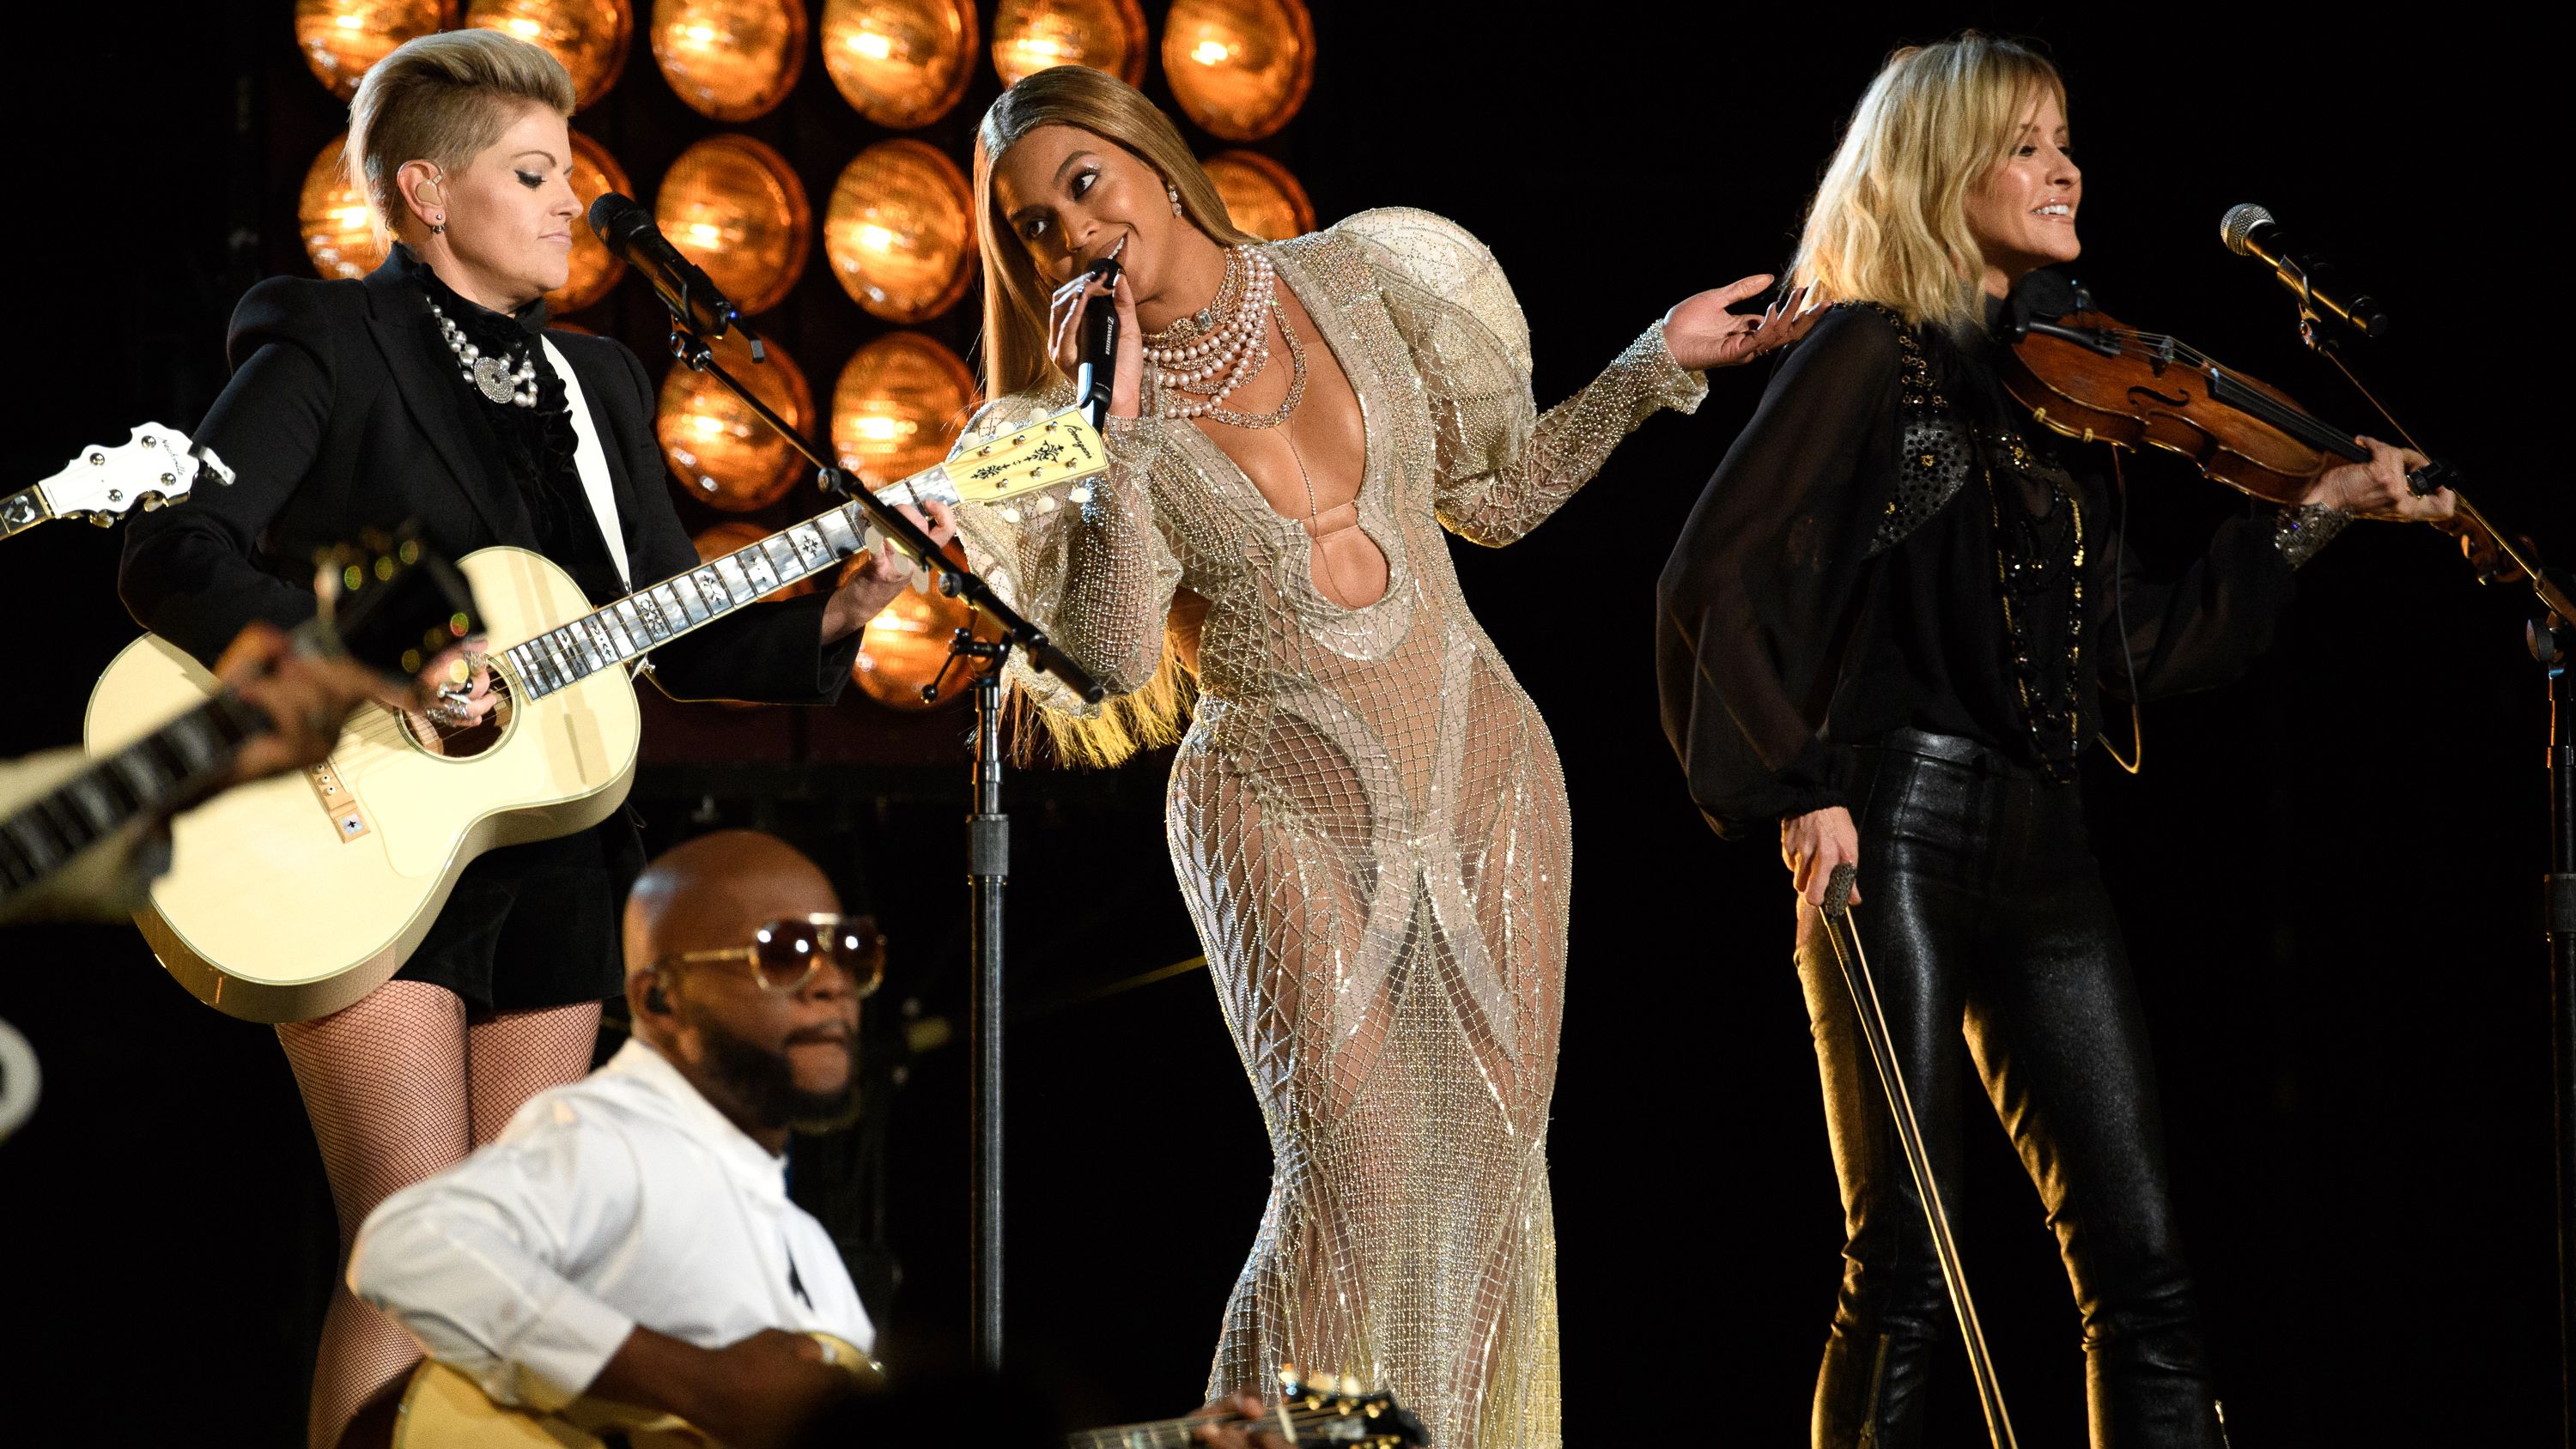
640, 622
162, 770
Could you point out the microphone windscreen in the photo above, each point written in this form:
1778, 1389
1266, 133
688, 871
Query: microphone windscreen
2237, 226
610, 209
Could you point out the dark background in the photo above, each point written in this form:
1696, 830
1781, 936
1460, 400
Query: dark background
2327, 871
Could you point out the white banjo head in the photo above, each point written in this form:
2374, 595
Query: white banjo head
152, 467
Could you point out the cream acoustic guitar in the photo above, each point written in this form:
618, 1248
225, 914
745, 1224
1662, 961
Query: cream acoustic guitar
444, 1409
155, 466
73, 826
292, 898
1324, 1413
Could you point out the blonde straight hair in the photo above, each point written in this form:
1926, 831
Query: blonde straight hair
1889, 221
1015, 357
442, 98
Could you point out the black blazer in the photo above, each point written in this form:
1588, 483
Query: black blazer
345, 412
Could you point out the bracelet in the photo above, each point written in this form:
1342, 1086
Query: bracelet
2302, 529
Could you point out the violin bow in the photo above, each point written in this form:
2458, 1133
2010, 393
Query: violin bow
1909, 1133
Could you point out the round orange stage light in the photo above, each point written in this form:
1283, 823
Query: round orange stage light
901, 63
724, 455
730, 59
1261, 195
907, 642
898, 407
1031, 35
337, 224
341, 38
594, 271
735, 207
734, 535
899, 231
589, 36
1239, 68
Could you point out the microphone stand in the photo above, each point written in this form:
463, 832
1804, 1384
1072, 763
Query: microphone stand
2551, 639
988, 837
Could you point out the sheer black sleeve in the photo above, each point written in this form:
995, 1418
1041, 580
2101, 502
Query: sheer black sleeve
1755, 604
188, 573
2206, 627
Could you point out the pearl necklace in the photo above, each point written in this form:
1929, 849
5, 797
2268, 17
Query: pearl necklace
491, 376
1206, 370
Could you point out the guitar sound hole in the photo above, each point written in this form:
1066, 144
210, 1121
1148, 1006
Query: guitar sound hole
464, 742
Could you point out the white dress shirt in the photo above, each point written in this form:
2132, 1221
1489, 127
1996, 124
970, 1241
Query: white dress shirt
590, 460
623, 1199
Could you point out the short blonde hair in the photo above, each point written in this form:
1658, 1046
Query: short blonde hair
442, 99
1015, 298
1889, 221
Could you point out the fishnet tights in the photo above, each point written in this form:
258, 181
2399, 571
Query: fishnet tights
399, 1086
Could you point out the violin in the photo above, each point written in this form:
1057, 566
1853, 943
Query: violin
2086, 376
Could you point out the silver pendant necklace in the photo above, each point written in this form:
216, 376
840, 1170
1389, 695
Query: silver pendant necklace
492, 376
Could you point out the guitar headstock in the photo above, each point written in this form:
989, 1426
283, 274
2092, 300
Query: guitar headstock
152, 467
1042, 454
392, 604
1338, 1410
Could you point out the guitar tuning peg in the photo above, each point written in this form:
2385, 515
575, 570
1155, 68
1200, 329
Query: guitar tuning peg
1352, 1388
101, 520
153, 502
1288, 1379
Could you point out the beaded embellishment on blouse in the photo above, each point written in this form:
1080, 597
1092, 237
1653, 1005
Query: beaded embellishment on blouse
1936, 455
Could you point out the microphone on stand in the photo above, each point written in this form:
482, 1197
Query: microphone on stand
627, 230
1095, 376
2249, 231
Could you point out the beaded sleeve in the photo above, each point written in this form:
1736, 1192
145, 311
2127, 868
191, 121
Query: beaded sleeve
1501, 467
1085, 561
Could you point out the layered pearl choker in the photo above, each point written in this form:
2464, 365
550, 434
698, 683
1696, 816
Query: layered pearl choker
1199, 361
491, 376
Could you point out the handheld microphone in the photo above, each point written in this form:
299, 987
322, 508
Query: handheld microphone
1096, 375
627, 230
2249, 231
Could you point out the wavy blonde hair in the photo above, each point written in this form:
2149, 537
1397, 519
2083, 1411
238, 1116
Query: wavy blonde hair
1015, 357
1889, 221
442, 98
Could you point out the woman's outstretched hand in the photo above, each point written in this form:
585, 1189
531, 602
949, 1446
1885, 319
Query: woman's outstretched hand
1702, 333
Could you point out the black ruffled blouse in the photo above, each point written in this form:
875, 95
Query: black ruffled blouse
1840, 579
533, 446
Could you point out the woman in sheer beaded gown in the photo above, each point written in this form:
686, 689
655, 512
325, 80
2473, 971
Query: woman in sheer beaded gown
1366, 814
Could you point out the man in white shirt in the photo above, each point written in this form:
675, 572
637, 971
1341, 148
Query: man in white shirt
629, 1236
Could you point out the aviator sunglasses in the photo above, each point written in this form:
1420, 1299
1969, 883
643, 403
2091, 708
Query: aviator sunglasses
786, 953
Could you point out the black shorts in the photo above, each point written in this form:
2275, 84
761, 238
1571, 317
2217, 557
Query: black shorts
535, 926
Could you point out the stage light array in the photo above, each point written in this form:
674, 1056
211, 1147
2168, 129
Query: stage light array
1031, 35
898, 407
897, 230
899, 233
334, 219
721, 451
1260, 195
900, 63
590, 37
594, 272
1239, 68
341, 38
731, 60
735, 207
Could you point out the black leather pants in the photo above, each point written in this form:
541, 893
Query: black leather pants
1982, 908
